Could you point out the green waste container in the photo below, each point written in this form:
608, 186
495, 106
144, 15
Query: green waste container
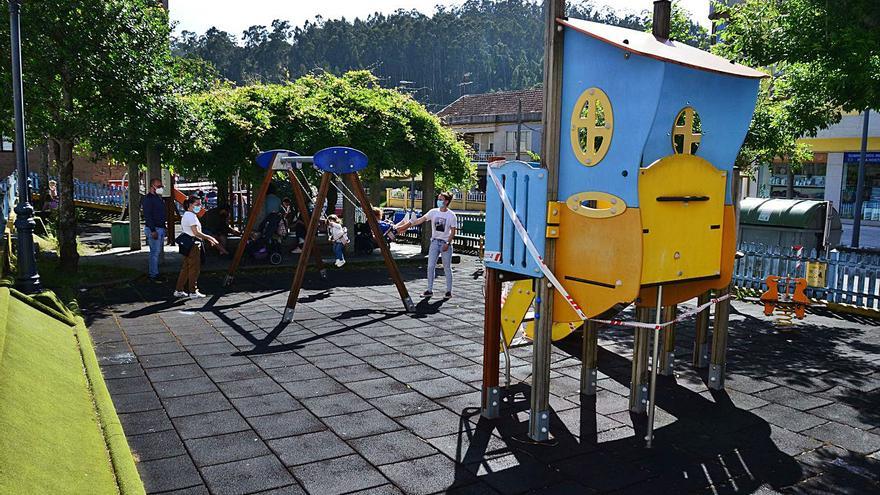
120, 234
789, 222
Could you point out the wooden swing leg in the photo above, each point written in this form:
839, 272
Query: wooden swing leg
491, 396
358, 190
311, 239
249, 228
300, 198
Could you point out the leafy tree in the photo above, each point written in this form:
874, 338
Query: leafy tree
99, 78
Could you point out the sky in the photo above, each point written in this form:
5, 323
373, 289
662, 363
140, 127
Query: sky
235, 16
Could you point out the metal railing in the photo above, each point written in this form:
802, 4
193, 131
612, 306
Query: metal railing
472, 200
465, 241
849, 277
90, 192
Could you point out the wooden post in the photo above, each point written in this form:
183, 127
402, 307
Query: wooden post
249, 228
667, 355
134, 207
719, 342
491, 398
302, 206
701, 336
589, 358
539, 419
311, 240
383, 246
638, 387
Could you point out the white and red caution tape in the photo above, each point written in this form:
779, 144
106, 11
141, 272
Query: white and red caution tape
530, 246
654, 326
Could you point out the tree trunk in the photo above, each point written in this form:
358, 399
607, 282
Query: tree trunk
44, 174
789, 186
429, 198
223, 188
154, 164
69, 256
332, 197
134, 207
375, 192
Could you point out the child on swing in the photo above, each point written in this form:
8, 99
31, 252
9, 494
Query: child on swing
339, 237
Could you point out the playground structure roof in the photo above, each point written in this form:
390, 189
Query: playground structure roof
646, 44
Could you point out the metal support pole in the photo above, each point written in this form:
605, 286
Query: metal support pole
539, 419
652, 399
667, 357
27, 279
589, 358
719, 342
701, 336
491, 393
638, 387
860, 183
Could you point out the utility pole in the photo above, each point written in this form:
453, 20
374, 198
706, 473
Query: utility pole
27, 279
539, 419
518, 128
860, 183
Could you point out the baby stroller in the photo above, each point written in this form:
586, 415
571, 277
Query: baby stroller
267, 244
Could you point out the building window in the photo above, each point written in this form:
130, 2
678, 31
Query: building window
809, 181
871, 195
525, 140
5, 143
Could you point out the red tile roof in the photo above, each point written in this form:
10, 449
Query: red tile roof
500, 103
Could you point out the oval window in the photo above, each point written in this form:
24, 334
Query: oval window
687, 132
592, 124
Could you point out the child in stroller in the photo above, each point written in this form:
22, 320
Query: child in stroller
267, 242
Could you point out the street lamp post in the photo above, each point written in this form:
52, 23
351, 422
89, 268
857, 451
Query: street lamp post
27, 279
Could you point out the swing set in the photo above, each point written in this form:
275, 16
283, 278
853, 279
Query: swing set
336, 161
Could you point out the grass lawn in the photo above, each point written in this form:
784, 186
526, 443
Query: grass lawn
57, 434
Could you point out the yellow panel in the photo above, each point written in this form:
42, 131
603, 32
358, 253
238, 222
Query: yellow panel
515, 308
840, 144
585, 117
561, 329
605, 205
553, 208
684, 291
597, 261
681, 199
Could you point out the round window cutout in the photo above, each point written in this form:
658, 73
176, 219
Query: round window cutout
687, 132
592, 124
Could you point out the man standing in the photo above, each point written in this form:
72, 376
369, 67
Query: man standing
443, 227
154, 226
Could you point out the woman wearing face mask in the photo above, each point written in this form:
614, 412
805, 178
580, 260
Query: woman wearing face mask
443, 227
187, 281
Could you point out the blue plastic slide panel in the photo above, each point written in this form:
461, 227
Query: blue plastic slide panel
526, 188
340, 160
266, 159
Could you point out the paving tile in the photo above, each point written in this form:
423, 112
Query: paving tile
296, 373
846, 436
278, 360
415, 373
386, 361
208, 424
121, 371
130, 403
262, 405
145, 422
788, 418
181, 388
333, 405
441, 387
361, 424
308, 448
160, 348
404, 404
330, 361
172, 473
249, 388
379, 387
160, 360
848, 415
234, 373
221, 360
746, 384
158, 445
432, 424
314, 388
247, 476
360, 372
228, 447
793, 398
179, 372
196, 404
224, 348
337, 476
388, 448
427, 474
135, 384
286, 424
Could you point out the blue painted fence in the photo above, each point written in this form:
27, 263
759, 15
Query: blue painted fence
90, 192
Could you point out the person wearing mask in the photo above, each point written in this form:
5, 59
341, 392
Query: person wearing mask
191, 234
154, 227
443, 228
